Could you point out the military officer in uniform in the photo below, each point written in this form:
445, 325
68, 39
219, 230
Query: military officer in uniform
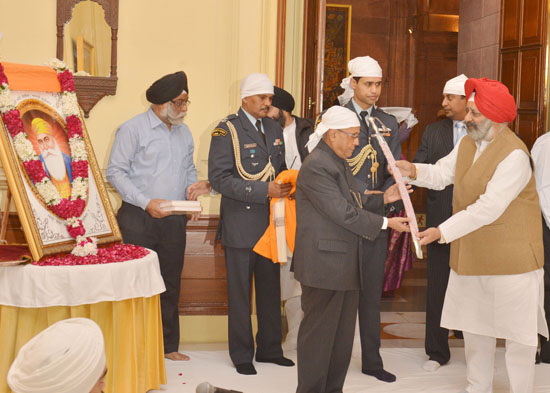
370, 168
246, 154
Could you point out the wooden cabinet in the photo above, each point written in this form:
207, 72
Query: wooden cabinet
203, 280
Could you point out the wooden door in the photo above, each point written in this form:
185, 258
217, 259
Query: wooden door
523, 63
312, 54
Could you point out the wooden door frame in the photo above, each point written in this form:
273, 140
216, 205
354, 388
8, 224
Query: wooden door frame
313, 60
281, 42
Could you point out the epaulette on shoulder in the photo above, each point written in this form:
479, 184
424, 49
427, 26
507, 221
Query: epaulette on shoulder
220, 130
227, 118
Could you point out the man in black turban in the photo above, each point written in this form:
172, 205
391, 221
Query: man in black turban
168, 88
296, 132
152, 162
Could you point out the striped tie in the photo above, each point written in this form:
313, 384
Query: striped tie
460, 131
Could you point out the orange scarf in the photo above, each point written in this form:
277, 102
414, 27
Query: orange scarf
267, 245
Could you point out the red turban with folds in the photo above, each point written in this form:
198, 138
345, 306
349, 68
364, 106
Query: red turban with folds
492, 98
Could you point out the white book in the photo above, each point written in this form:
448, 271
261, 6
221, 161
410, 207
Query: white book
181, 207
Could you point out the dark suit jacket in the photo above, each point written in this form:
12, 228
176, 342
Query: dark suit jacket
384, 179
244, 211
437, 142
304, 128
331, 222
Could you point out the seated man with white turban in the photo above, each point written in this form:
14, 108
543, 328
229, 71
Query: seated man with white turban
332, 224
495, 287
246, 154
67, 357
362, 90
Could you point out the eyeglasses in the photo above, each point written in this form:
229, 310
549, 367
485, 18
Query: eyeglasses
354, 136
181, 103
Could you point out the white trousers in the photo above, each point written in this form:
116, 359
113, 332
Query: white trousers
480, 359
291, 293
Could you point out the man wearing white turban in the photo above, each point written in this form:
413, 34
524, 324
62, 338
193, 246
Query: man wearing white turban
370, 168
333, 218
439, 140
67, 357
246, 154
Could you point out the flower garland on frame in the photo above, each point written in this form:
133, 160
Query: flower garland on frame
70, 209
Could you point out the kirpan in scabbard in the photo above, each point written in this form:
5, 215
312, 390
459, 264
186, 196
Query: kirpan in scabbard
399, 180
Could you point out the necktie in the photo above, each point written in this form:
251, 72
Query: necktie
460, 131
259, 127
363, 115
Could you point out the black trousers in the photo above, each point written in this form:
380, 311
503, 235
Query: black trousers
242, 264
325, 339
373, 260
545, 344
166, 236
436, 342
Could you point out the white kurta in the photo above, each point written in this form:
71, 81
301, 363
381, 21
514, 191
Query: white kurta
292, 155
541, 157
504, 306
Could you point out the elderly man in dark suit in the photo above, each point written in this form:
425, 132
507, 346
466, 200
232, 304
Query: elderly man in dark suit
437, 141
331, 225
246, 153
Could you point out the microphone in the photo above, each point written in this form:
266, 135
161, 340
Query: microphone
205, 387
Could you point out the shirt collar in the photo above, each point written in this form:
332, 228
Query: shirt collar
358, 109
252, 119
155, 121
455, 122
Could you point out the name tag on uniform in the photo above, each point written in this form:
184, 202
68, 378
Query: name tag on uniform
250, 145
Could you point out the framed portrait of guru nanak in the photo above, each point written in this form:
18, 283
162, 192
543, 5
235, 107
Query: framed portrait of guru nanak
49, 162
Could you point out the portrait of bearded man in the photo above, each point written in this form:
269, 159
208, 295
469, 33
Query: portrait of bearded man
56, 163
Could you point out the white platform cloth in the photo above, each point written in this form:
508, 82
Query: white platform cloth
46, 286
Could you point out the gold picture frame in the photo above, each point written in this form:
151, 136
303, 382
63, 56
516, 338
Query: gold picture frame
46, 233
337, 50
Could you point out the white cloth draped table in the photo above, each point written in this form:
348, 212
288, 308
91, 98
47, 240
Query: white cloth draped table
46, 286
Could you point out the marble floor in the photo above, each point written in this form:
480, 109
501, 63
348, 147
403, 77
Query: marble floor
402, 329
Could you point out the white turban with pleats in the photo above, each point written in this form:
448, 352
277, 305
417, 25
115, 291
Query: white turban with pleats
455, 85
364, 66
336, 117
67, 357
256, 84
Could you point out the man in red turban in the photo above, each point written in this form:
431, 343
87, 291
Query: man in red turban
495, 285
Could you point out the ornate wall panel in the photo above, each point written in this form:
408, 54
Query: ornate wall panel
523, 63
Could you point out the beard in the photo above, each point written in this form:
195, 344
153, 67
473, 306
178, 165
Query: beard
53, 160
279, 118
172, 115
478, 132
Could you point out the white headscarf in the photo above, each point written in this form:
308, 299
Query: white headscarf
256, 84
402, 114
360, 67
336, 117
455, 85
67, 357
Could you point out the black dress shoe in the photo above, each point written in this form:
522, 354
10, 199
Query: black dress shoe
380, 374
246, 369
282, 361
